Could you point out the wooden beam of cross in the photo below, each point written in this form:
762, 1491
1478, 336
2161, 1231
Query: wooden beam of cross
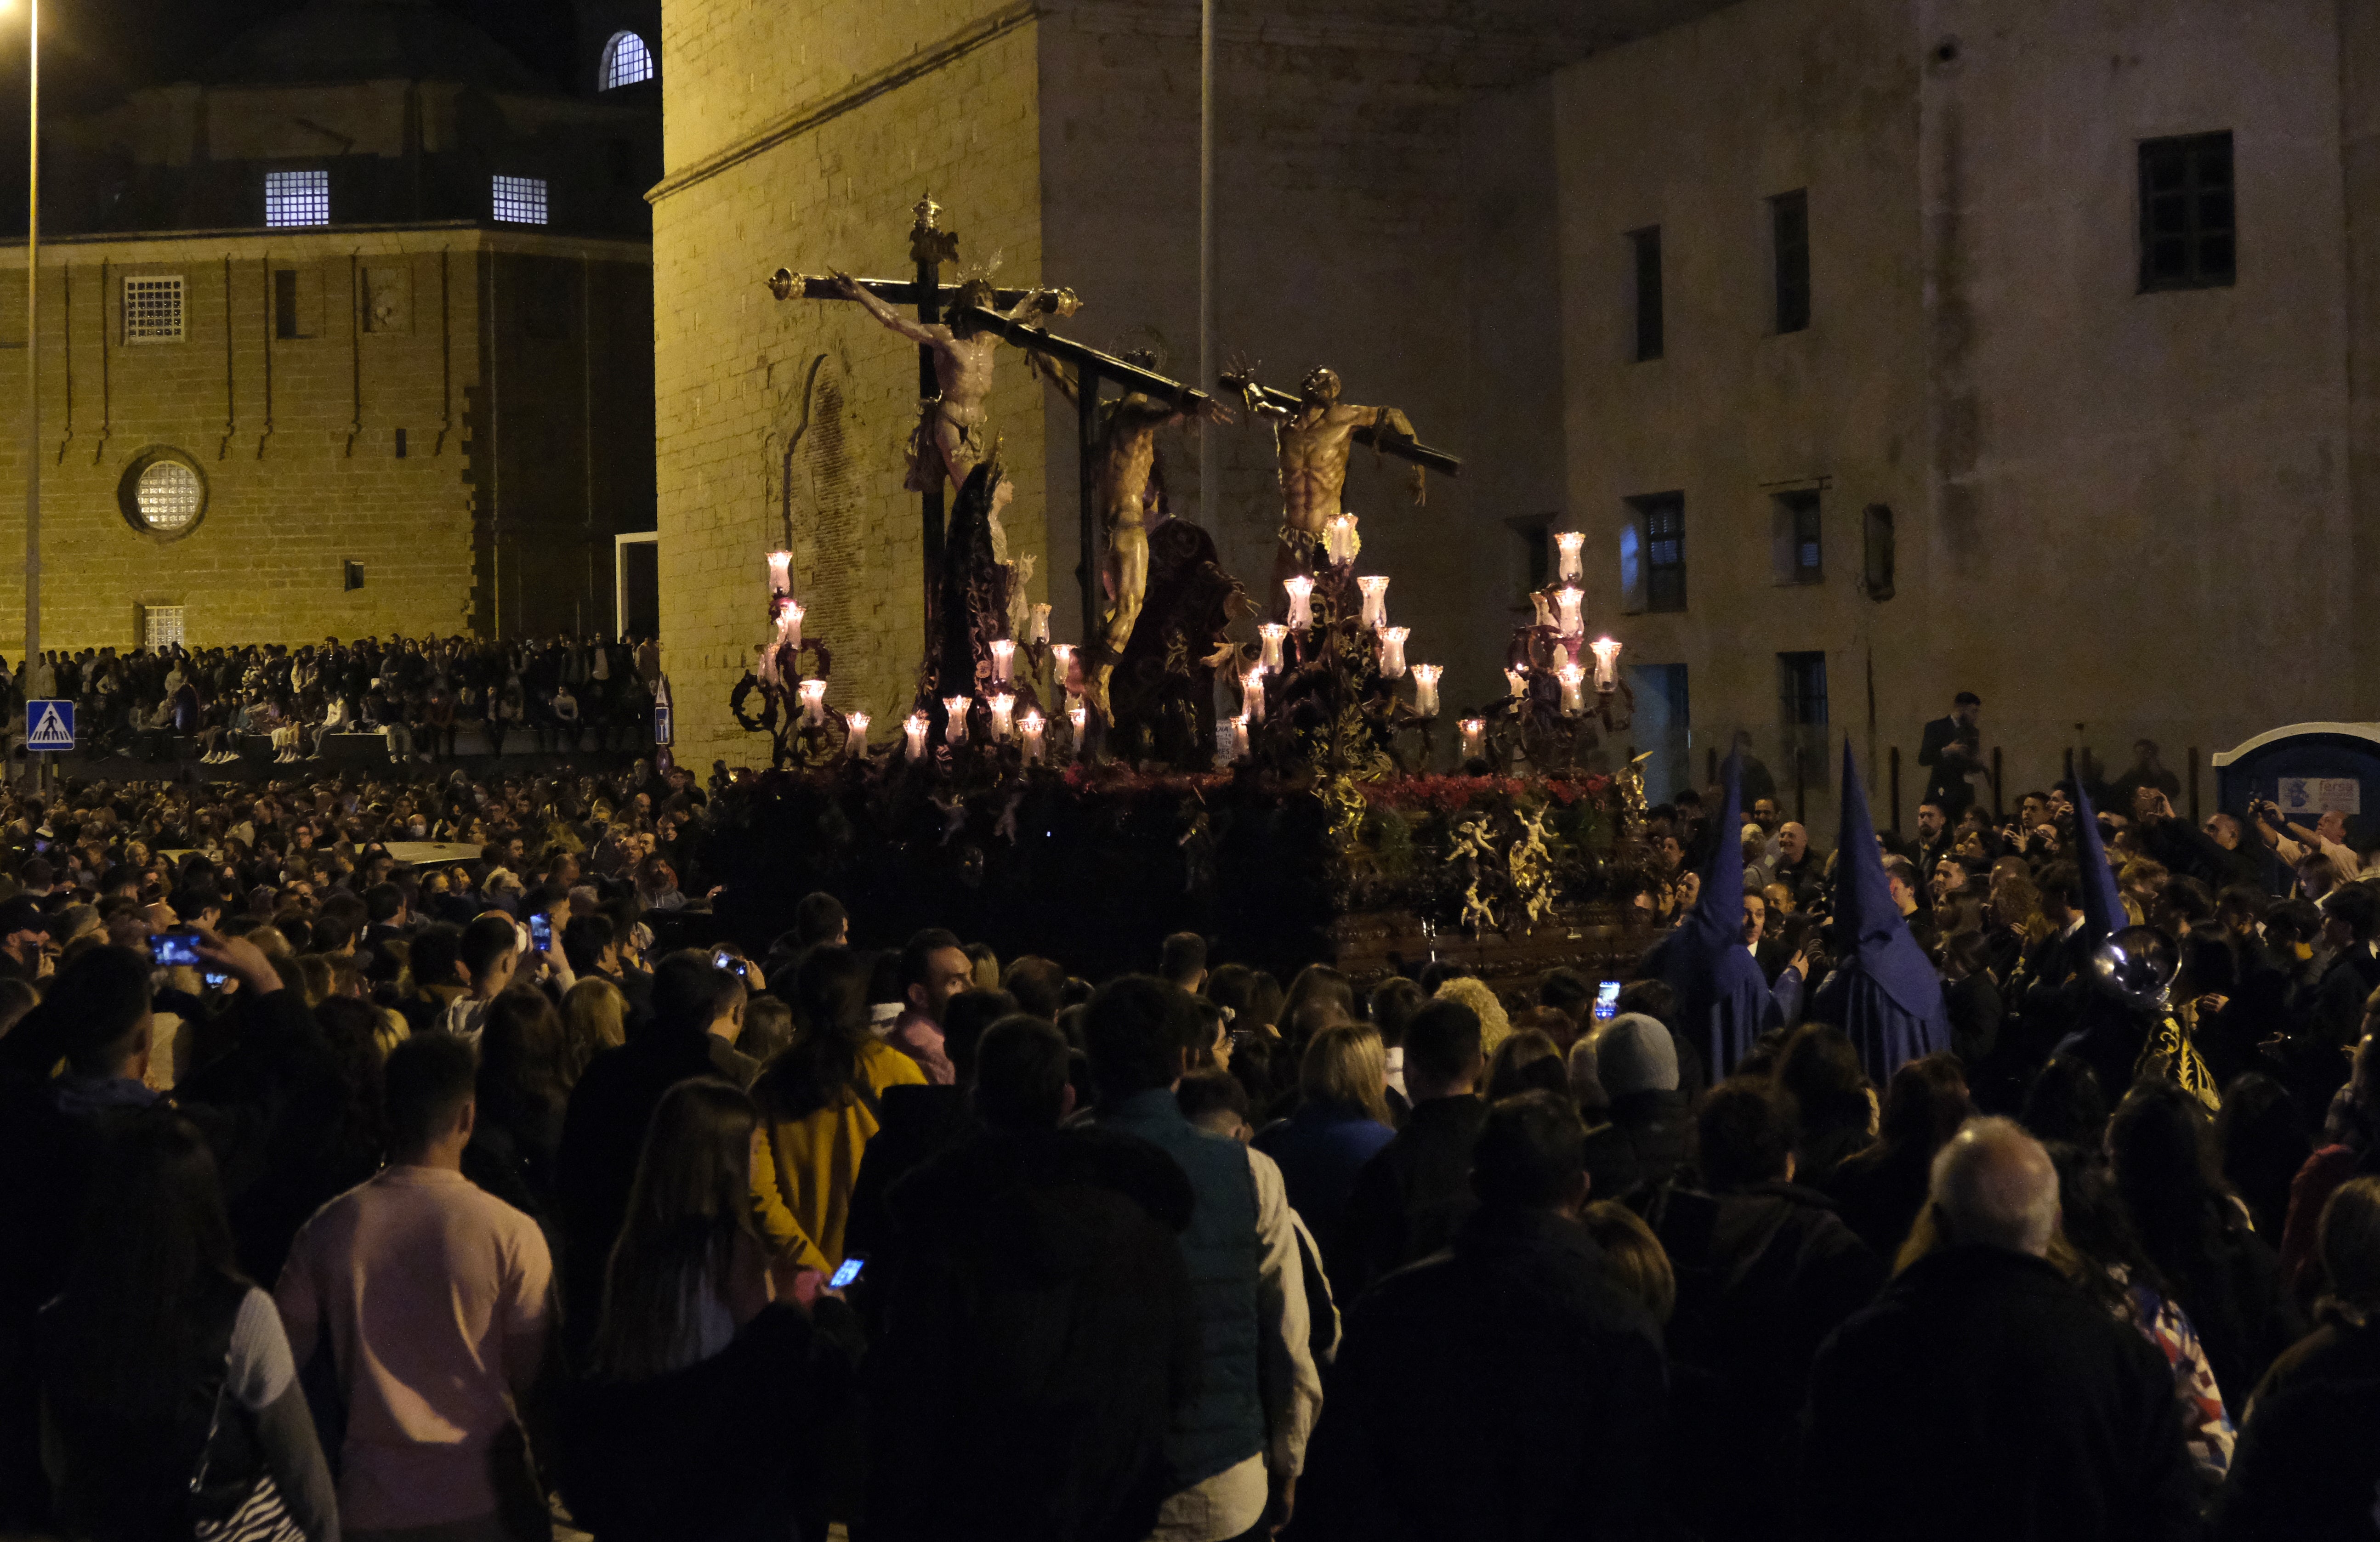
1385, 440
786, 285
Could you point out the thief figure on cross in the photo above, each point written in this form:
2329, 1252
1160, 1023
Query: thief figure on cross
951, 437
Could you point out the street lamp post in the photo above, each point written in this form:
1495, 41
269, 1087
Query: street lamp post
32, 336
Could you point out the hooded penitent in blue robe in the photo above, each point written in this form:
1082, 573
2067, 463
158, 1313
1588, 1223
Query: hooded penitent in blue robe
1884, 992
1723, 999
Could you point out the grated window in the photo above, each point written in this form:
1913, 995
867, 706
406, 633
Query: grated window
297, 198
520, 200
152, 308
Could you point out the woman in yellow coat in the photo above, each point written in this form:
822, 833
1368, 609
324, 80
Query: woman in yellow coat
820, 1104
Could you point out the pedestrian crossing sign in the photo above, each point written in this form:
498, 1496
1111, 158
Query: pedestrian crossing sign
49, 726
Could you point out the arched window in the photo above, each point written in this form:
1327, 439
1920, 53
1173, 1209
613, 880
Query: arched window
626, 60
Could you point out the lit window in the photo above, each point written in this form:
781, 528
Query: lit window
520, 200
152, 308
626, 60
161, 627
169, 495
297, 197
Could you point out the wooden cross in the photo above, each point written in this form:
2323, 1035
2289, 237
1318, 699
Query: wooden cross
1388, 442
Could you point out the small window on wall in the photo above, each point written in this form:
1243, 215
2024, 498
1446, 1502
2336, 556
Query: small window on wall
519, 200
626, 61
1789, 226
2189, 235
1644, 245
162, 626
297, 198
1653, 553
1797, 552
152, 308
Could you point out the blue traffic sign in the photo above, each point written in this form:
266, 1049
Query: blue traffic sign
661, 725
49, 726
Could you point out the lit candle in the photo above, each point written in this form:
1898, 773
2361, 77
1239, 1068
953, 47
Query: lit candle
1545, 611
1301, 601
1573, 679
1062, 662
1376, 601
914, 730
1001, 706
856, 746
1040, 631
1568, 544
1252, 695
1078, 719
956, 729
789, 626
813, 702
1516, 682
1474, 737
1273, 632
1425, 690
1393, 651
1240, 737
1607, 665
1569, 599
1032, 724
781, 572
1003, 662
1339, 541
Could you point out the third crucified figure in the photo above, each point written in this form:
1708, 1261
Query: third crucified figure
1315, 438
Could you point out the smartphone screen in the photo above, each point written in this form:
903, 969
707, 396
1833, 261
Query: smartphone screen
168, 949
214, 981
1607, 1000
541, 932
848, 1274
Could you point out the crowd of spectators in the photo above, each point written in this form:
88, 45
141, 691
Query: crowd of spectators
441, 1199
424, 695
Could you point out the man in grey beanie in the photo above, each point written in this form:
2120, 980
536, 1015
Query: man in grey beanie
1635, 1060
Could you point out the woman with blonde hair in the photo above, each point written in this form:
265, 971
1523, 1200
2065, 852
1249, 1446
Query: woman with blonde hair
1494, 1026
594, 1018
1341, 1122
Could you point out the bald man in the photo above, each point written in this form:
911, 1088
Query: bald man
1983, 1396
1797, 867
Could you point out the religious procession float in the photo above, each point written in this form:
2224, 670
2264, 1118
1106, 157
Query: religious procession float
1092, 791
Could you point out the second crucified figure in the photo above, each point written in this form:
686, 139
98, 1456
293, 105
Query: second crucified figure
1126, 454
951, 437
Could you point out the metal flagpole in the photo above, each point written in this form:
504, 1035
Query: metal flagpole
32, 347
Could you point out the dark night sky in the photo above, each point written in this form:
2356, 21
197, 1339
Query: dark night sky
93, 51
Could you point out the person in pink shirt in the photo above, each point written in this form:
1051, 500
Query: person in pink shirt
433, 1298
934, 967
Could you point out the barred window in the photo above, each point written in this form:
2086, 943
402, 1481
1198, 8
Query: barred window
297, 198
2188, 226
161, 627
520, 200
169, 495
626, 60
152, 308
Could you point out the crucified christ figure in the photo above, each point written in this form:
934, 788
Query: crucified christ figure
1126, 453
950, 436
1315, 437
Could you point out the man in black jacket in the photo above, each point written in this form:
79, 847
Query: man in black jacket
1951, 748
1411, 1193
1041, 1330
1985, 1397
1506, 1389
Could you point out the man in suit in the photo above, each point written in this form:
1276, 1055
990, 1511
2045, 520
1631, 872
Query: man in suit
1951, 748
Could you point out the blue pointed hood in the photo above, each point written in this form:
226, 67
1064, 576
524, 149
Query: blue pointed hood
2103, 906
1717, 917
1724, 1003
1876, 934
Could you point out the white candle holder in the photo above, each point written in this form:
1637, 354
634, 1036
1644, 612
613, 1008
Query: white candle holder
855, 745
1474, 737
1271, 633
789, 625
1571, 601
1340, 542
813, 701
1545, 611
1301, 601
914, 730
781, 572
1078, 720
1376, 601
1040, 631
1252, 695
1517, 682
1607, 665
1573, 696
1393, 651
1240, 737
1003, 662
1061, 665
1573, 566
1426, 689
1001, 706
1033, 727
954, 726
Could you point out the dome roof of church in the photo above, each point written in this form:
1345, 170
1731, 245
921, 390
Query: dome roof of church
329, 41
